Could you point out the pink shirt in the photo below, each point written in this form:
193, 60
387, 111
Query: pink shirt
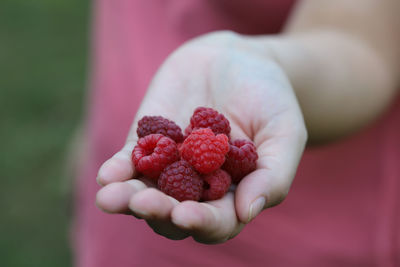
343, 208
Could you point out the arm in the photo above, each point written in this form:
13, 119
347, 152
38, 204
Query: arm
341, 74
343, 60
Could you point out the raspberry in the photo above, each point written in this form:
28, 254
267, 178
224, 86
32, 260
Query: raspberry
181, 181
209, 118
216, 185
159, 125
153, 153
205, 151
241, 159
187, 131
179, 146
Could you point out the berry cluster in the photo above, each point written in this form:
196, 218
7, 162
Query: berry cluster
200, 165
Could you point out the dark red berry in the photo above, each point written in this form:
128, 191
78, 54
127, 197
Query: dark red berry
208, 118
159, 125
181, 181
241, 159
216, 185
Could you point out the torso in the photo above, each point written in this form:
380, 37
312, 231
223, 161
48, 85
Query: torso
343, 208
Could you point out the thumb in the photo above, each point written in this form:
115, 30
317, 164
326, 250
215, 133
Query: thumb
268, 186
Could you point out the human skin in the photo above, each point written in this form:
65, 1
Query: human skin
331, 72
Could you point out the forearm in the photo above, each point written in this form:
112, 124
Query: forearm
343, 75
341, 84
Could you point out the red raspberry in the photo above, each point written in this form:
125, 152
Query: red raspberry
241, 159
216, 185
153, 153
187, 131
179, 145
181, 181
209, 118
159, 125
205, 151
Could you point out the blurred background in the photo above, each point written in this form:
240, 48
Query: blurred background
43, 75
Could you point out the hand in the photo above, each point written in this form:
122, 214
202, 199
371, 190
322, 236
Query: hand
218, 71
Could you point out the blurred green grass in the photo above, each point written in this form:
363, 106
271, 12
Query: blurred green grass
43, 72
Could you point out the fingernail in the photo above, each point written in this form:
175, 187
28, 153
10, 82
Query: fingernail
256, 207
98, 180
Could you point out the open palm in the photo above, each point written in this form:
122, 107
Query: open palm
256, 97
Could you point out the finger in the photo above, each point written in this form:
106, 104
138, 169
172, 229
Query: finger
119, 167
279, 156
152, 204
210, 223
114, 198
155, 207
